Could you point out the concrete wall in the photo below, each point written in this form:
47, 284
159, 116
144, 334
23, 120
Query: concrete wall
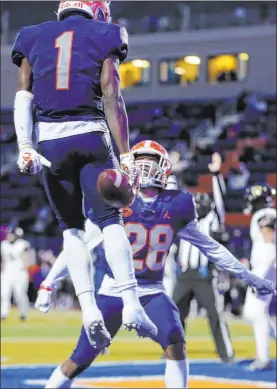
259, 42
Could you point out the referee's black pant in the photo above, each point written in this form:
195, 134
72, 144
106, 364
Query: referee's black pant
191, 285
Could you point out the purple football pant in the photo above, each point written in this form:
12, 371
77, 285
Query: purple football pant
160, 309
71, 181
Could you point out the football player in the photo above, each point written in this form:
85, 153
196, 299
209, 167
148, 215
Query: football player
16, 257
69, 70
151, 223
260, 202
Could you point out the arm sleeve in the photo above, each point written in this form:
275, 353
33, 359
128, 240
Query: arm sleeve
215, 252
20, 48
118, 42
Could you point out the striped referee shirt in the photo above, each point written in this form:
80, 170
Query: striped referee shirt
189, 256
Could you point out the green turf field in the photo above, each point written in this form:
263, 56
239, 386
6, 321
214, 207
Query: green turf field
50, 338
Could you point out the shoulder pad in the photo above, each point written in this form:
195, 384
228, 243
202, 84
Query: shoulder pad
184, 204
118, 42
21, 46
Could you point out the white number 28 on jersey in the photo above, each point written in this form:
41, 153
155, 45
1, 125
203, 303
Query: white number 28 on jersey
158, 240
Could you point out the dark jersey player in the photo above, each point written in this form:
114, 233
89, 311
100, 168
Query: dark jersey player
69, 70
152, 223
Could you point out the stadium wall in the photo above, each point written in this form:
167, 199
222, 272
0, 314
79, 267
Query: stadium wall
257, 42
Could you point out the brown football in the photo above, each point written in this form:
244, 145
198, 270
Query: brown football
113, 186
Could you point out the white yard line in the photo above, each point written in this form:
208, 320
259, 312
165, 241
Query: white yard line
121, 339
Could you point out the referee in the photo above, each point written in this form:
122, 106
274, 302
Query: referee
198, 278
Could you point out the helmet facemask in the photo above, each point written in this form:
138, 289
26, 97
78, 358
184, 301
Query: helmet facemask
154, 169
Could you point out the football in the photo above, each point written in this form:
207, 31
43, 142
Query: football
113, 185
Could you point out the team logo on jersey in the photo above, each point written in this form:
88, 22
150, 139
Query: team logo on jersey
127, 212
166, 215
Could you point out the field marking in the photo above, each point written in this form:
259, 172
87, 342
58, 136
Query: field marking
262, 384
116, 340
117, 363
3, 359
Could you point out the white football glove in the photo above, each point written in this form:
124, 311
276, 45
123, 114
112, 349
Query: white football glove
215, 165
44, 299
30, 161
127, 164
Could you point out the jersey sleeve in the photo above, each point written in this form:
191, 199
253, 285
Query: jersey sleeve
21, 47
187, 208
118, 42
214, 251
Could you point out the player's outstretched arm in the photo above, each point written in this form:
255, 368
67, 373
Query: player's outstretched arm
114, 104
222, 257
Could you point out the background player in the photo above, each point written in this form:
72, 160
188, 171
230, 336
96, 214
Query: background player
260, 202
198, 276
16, 257
151, 224
66, 78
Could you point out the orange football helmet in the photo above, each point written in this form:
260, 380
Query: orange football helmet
153, 161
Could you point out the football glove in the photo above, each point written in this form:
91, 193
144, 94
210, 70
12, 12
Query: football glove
44, 299
30, 161
263, 286
127, 164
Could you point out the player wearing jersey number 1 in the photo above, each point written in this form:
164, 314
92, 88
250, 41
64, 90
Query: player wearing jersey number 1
69, 70
152, 222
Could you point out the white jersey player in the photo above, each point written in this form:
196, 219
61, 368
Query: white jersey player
15, 259
263, 264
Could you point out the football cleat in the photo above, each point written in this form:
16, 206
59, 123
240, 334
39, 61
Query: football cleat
96, 331
135, 318
258, 365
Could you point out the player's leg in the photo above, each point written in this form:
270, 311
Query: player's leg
6, 294
164, 313
21, 294
118, 250
84, 354
206, 296
62, 185
256, 311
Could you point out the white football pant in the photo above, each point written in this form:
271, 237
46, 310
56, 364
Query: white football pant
256, 311
18, 285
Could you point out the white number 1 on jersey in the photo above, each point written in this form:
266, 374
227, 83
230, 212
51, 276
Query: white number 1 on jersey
64, 45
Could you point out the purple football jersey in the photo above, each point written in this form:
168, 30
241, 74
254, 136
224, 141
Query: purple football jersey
66, 59
151, 229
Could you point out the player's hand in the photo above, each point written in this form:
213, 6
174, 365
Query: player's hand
215, 165
30, 161
263, 286
44, 299
127, 164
